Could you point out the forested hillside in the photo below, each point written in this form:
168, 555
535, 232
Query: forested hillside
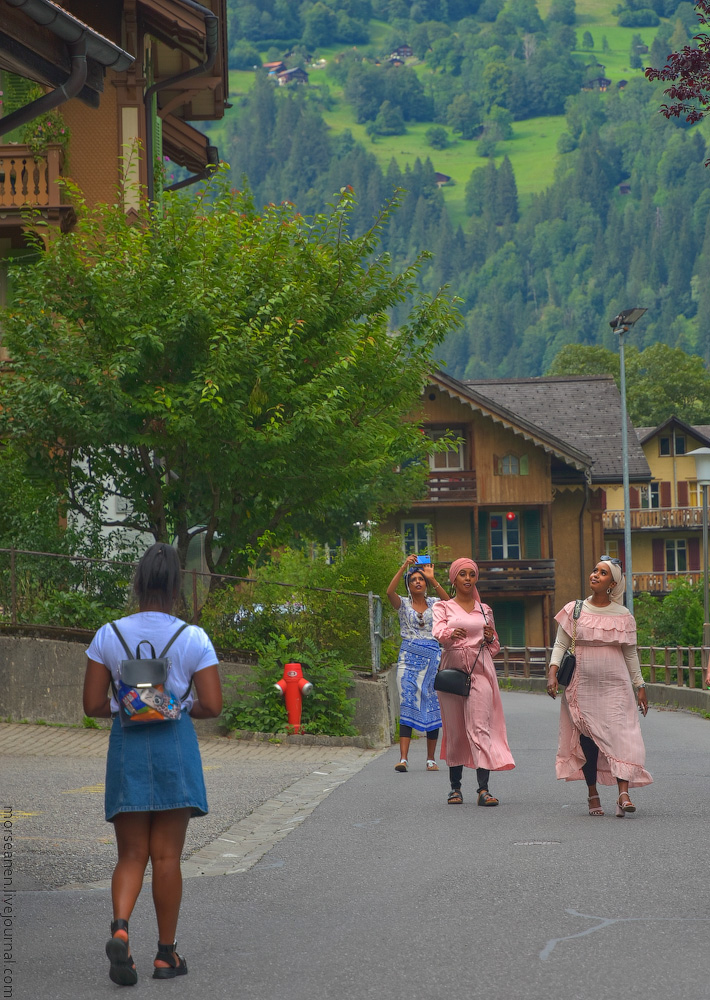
623, 217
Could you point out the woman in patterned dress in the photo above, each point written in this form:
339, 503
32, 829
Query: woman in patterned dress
600, 736
418, 658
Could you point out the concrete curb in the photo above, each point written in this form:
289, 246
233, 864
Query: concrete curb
663, 695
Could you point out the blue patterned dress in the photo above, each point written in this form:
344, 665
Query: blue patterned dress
418, 661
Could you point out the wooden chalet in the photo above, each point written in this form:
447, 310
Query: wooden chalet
523, 493
297, 75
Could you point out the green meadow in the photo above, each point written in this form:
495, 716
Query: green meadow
533, 147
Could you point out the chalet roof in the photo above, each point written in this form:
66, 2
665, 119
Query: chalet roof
699, 431
469, 393
583, 412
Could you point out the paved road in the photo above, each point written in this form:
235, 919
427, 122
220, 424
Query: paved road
382, 890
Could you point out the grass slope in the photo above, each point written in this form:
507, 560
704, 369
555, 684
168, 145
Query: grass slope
533, 148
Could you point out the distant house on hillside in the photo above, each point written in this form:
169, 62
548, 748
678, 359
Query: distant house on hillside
402, 52
273, 68
600, 83
441, 179
624, 188
395, 61
622, 84
295, 75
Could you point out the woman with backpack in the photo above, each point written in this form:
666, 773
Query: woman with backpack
154, 780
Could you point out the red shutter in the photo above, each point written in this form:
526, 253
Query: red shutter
602, 499
634, 498
683, 494
659, 562
666, 495
694, 554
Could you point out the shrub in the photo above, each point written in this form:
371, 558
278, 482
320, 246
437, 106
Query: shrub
257, 706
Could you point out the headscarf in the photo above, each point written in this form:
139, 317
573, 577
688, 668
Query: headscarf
455, 568
410, 573
617, 591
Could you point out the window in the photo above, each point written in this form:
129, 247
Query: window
695, 495
676, 556
416, 537
679, 444
671, 445
511, 465
664, 446
611, 548
505, 535
443, 460
651, 496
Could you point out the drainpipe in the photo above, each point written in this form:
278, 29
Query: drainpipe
582, 568
70, 88
211, 41
203, 175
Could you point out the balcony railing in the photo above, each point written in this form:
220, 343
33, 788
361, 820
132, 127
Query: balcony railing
514, 575
450, 487
29, 180
655, 517
662, 583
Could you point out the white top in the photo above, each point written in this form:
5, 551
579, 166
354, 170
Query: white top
564, 641
191, 651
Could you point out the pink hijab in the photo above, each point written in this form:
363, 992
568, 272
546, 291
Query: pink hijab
455, 568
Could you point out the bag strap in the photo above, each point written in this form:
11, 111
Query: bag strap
575, 616
172, 640
123, 642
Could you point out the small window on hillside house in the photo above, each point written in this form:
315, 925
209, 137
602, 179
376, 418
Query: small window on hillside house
664, 446
679, 444
511, 465
443, 460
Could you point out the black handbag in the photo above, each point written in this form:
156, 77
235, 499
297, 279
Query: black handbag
569, 660
458, 682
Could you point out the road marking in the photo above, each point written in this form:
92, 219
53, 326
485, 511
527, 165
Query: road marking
86, 790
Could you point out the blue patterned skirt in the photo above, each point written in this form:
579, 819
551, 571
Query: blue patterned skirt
416, 670
155, 767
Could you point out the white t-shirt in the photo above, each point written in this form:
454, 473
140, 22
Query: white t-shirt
191, 651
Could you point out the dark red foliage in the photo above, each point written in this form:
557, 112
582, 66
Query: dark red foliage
690, 71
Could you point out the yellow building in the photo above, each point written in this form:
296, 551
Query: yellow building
523, 493
666, 513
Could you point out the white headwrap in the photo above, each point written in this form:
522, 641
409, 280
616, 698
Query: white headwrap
617, 591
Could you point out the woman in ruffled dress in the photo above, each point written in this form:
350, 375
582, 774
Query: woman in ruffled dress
600, 736
418, 658
474, 733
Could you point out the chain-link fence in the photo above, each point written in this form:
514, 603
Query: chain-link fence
239, 613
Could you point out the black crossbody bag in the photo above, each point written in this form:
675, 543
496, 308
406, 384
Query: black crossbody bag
458, 682
569, 660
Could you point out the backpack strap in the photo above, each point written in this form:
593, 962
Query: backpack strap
173, 638
123, 642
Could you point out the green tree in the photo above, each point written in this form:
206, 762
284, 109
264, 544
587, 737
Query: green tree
228, 373
437, 137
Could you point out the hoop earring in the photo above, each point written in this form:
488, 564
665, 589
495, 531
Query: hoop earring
608, 590
452, 591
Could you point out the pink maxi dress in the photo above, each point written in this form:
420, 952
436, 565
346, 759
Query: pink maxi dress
600, 701
473, 728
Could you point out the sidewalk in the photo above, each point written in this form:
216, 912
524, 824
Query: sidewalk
53, 780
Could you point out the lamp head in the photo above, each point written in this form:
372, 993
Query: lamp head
702, 465
626, 318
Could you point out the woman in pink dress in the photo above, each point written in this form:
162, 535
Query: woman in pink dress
473, 728
600, 736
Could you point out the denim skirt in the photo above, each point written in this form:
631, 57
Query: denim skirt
154, 767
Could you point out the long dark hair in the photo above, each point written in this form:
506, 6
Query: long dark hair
157, 579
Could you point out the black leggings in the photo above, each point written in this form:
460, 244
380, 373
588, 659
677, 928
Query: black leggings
591, 752
406, 731
482, 773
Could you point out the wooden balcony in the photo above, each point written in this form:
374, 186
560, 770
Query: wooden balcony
655, 518
662, 583
30, 181
450, 488
515, 576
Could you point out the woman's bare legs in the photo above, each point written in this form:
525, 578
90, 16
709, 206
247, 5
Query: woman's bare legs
160, 837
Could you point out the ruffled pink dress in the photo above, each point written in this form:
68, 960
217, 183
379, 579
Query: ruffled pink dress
474, 731
600, 701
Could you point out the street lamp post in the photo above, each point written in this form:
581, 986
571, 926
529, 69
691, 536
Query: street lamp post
621, 324
702, 471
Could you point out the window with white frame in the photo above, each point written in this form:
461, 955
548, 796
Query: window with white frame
611, 548
676, 555
651, 496
441, 461
416, 537
505, 535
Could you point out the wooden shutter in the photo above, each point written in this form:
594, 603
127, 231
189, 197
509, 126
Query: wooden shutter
682, 493
659, 560
634, 498
531, 534
524, 465
483, 539
497, 466
602, 499
666, 495
509, 618
693, 554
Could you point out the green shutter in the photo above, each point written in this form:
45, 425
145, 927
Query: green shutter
483, 535
531, 534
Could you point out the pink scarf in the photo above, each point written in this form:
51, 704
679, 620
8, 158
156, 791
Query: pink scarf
455, 568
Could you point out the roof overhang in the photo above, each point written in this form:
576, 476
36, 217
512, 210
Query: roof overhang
512, 422
185, 145
34, 36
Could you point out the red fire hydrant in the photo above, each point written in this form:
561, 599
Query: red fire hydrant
292, 686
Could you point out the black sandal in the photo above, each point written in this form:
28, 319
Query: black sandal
167, 953
455, 797
123, 968
486, 799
